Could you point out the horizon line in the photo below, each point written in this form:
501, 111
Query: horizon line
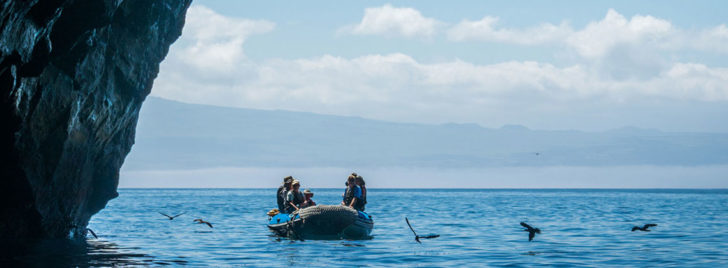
402, 188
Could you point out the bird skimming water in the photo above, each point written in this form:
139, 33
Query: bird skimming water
201, 221
92, 232
531, 231
417, 237
644, 228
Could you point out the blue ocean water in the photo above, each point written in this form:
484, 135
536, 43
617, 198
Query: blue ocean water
476, 227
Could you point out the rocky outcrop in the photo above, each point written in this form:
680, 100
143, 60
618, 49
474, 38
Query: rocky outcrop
73, 75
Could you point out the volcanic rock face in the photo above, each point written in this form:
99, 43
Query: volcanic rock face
73, 75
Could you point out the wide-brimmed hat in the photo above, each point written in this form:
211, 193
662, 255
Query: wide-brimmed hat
288, 179
295, 182
307, 191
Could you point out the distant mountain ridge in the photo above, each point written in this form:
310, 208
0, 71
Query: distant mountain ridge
174, 135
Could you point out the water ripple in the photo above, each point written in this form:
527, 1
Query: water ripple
584, 228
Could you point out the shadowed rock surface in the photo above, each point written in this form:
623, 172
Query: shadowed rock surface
73, 75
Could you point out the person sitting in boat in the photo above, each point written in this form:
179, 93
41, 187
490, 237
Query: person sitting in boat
352, 196
307, 202
347, 184
362, 185
283, 191
294, 198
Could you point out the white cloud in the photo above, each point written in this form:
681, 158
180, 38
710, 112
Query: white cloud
683, 80
614, 33
384, 85
612, 36
215, 42
714, 39
487, 30
394, 21
209, 66
597, 38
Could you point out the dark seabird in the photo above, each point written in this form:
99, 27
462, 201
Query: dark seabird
531, 231
172, 217
417, 237
644, 228
200, 221
92, 232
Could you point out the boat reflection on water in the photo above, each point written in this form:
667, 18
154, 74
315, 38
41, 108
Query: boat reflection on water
69, 253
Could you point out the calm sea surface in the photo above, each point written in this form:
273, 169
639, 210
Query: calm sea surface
477, 228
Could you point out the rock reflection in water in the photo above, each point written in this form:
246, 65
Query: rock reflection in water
68, 253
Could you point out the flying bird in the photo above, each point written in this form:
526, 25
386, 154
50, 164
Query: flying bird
172, 217
92, 232
417, 237
644, 228
531, 231
201, 221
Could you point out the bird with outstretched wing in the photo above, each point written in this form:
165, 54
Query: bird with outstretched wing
172, 217
417, 237
531, 231
201, 221
644, 228
92, 233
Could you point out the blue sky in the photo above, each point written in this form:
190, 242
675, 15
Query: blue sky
583, 65
310, 25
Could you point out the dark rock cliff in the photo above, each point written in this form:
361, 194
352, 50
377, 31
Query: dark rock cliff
73, 75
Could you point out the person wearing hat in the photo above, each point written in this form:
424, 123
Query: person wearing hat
283, 191
307, 202
294, 198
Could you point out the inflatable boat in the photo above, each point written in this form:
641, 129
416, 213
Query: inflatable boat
323, 222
